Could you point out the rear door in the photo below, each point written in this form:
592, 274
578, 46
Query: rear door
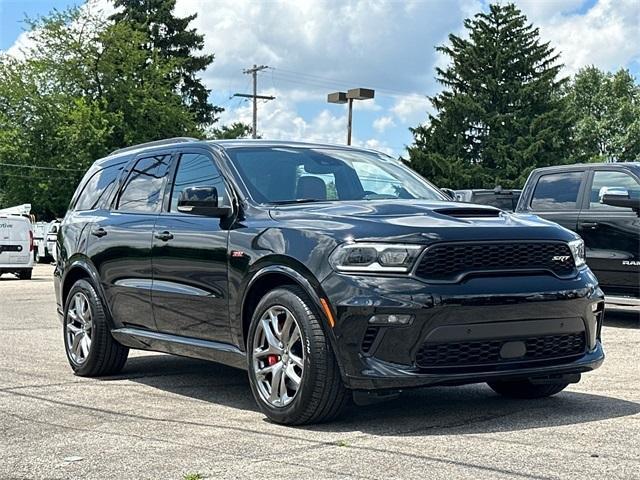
120, 239
15, 241
612, 234
557, 196
190, 283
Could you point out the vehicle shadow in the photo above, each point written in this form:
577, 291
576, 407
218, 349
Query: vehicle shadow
622, 319
10, 277
430, 411
198, 379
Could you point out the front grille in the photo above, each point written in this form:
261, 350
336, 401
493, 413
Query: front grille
487, 352
451, 261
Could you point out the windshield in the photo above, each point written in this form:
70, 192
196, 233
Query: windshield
290, 175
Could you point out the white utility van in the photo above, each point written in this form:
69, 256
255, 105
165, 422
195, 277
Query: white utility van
16, 245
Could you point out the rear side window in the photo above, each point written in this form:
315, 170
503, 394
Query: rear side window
557, 191
98, 188
196, 170
610, 179
145, 184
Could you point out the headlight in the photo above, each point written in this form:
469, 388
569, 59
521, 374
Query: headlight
374, 257
577, 250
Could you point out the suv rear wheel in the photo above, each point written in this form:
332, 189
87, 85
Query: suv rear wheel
91, 350
526, 389
293, 372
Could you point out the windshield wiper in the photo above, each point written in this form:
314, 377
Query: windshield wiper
295, 200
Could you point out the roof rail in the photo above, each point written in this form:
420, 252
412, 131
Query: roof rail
155, 143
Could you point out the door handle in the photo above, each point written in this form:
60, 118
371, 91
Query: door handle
98, 232
164, 236
589, 225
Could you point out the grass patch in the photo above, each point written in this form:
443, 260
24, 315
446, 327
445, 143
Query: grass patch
342, 443
193, 476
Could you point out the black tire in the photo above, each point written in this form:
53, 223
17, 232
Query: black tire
321, 395
25, 274
106, 356
524, 389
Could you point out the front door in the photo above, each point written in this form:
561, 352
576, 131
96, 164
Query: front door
612, 235
556, 197
190, 284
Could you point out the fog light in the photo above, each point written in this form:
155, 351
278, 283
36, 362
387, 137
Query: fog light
391, 319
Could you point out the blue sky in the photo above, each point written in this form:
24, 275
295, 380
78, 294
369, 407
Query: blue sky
318, 46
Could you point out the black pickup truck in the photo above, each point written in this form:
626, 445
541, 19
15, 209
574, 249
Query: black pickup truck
600, 202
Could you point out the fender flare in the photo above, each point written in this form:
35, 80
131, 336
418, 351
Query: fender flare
81, 262
314, 293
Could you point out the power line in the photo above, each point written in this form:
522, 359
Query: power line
70, 179
38, 167
254, 73
310, 79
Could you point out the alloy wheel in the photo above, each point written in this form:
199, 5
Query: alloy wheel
79, 326
278, 356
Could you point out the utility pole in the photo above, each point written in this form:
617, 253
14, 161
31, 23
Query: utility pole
254, 73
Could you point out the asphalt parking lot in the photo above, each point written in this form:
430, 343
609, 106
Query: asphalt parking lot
166, 417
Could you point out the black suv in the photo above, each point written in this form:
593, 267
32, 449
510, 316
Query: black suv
322, 270
600, 202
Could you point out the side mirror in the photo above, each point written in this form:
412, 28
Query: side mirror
449, 193
202, 201
612, 191
619, 197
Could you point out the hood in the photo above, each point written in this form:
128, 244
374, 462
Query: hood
421, 221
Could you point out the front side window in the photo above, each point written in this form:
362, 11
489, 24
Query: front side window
557, 191
196, 170
98, 187
286, 174
610, 179
145, 184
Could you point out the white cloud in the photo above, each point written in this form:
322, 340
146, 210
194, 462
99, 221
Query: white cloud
607, 35
375, 144
380, 124
412, 109
281, 120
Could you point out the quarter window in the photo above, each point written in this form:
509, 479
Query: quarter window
605, 178
145, 185
557, 191
196, 170
98, 188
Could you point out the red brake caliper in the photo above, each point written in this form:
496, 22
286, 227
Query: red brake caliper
272, 359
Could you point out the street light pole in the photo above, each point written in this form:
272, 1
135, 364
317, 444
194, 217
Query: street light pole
349, 97
350, 121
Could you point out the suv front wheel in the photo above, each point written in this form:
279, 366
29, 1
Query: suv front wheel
293, 372
91, 350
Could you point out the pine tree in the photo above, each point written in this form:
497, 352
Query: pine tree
502, 112
174, 40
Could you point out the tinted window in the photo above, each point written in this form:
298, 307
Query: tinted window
98, 187
145, 185
557, 191
196, 170
283, 174
612, 179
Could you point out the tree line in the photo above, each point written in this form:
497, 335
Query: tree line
505, 108
86, 85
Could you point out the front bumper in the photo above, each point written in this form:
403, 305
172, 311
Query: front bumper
474, 319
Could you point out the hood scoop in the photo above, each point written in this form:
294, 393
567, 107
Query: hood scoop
469, 212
